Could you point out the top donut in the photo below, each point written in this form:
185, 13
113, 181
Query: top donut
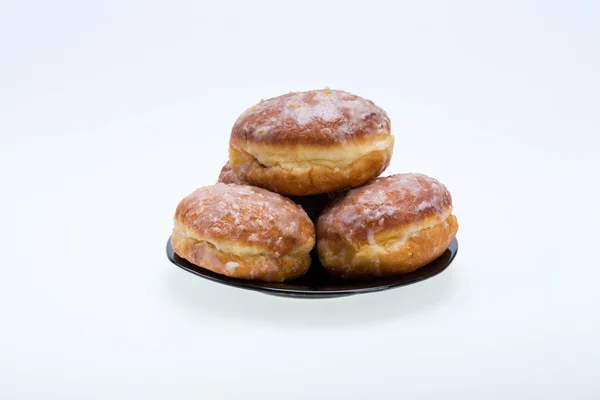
311, 142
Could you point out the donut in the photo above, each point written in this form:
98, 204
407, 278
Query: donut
228, 176
313, 205
314, 142
243, 232
391, 226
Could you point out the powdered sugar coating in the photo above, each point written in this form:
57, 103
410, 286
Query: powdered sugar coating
231, 266
317, 116
226, 214
393, 202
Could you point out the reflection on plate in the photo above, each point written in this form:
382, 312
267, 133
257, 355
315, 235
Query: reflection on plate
317, 283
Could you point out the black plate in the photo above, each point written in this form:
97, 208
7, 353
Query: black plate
317, 283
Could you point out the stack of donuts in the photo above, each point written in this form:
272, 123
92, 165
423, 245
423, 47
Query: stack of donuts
303, 173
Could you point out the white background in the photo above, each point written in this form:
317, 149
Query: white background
111, 112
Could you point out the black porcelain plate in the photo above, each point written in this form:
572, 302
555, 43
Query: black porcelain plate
317, 283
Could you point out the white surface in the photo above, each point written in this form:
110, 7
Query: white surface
109, 114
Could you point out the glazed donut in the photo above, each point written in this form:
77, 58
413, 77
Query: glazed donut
311, 142
228, 176
243, 232
390, 226
313, 205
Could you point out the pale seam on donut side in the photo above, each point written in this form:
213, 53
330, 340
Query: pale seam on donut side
331, 156
396, 242
236, 249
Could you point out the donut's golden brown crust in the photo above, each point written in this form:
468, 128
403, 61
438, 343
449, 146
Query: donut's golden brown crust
390, 226
311, 143
394, 257
306, 177
251, 267
244, 232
